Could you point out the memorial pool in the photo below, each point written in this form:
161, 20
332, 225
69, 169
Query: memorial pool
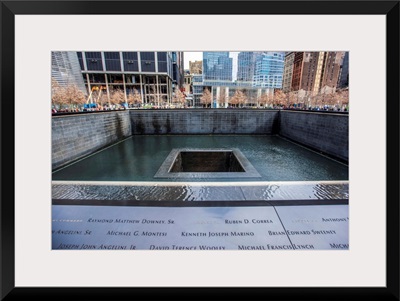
139, 157
193, 186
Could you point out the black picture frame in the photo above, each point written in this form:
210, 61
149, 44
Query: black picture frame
9, 9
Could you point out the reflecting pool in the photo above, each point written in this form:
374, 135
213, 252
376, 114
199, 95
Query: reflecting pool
138, 158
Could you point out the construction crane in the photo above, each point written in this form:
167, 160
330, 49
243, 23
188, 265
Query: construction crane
90, 94
98, 96
91, 104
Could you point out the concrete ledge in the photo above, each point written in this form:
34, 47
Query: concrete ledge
164, 171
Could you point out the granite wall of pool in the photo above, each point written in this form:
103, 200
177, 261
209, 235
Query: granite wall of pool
205, 121
324, 132
76, 136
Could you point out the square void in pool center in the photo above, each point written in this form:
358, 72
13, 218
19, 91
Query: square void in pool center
206, 163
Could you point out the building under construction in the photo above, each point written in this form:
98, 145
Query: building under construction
152, 75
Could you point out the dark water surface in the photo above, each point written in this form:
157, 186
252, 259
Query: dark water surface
138, 158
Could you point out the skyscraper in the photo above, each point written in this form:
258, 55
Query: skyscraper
218, 76
344, 72
178, 71
331, 70
288, 72
198, 87
217, 66
297, 70
312, 72
268, 71
246, 66
65, 69
315, 71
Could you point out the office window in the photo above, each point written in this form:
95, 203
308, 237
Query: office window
112, 61
130, 61
80, 59
93, 61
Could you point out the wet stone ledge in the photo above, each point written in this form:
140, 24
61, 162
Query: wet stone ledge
305, 191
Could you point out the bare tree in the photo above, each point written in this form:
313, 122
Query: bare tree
117, 97
291, 98
342, 98
239, 98
279, 97
312, 99
206, 98
242, 97
73, 96
251, 99
316, 99
57, 93
179, 98
134, 98
265, 100
330, 99
305, 99
234, 101
102, 99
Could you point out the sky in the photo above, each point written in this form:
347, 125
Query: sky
198, 56
191, 56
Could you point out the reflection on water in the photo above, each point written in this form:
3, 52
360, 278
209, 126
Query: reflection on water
138, 158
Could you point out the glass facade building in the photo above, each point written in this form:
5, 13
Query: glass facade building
218, 76
246, 65
268, 71
178, 70
217, 66
197, 85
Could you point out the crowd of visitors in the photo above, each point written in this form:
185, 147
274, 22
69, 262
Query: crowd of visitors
97, 108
